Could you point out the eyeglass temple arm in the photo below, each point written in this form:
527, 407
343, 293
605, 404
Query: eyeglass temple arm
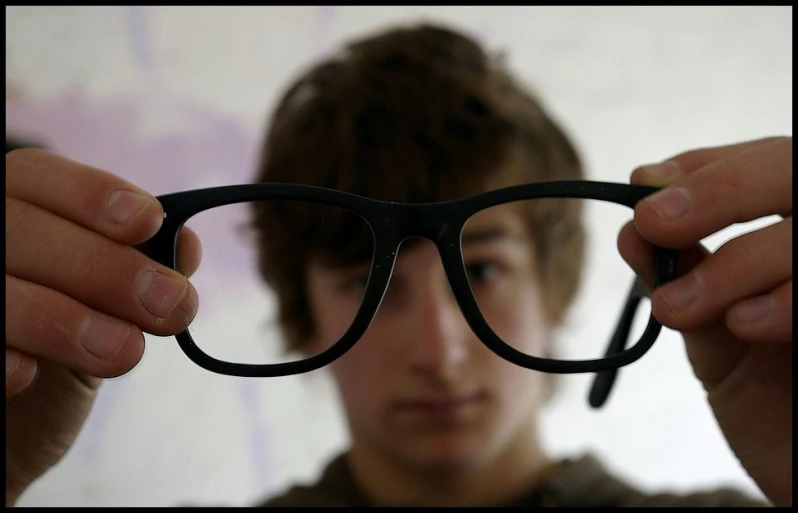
604, 380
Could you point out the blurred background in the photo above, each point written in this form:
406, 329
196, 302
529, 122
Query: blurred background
175, 98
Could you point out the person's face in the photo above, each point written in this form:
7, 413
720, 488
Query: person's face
419, 385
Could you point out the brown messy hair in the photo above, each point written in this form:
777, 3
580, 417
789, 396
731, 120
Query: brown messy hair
412, 114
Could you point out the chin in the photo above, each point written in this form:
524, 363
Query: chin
448, 452
456, 439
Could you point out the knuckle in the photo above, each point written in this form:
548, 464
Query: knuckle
109, 263
730, 179
745, 251
738, 329
767, 251
785, 141
17, 220
734, 177
45, 321
21, 161
23, 157
95, 262
59, 333
53, 327
740, 257
694, 159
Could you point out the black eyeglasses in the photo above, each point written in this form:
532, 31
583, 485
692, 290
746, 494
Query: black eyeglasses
386, 225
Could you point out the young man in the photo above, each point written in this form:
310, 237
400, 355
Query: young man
418, 114
423, 116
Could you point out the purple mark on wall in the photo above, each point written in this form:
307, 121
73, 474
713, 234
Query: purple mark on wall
261, 457
108, 135
140, 36
214, 149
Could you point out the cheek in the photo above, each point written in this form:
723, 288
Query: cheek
331, 319
516, 381
519, 389
523, 325
362, 375
530, 330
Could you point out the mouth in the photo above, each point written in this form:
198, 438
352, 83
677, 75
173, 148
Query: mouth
443, 408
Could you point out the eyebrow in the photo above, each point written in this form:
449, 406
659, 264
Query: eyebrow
472, 238
491, 234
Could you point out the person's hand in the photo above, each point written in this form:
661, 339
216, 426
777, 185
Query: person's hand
733, 306
78, 297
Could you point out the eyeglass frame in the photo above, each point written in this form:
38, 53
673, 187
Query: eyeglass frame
391, 223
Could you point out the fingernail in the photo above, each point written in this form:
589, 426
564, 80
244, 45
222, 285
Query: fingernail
12, 363
754, 310
104, 338
670, 204
124, 206
160, 294
665, 169
682, 293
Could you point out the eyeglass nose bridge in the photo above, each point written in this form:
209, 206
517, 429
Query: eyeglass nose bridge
433, 221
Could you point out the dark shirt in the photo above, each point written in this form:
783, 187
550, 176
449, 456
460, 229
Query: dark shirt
580, 482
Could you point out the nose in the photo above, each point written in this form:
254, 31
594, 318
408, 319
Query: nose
439, 342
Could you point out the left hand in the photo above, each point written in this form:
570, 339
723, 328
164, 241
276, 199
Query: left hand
733, 306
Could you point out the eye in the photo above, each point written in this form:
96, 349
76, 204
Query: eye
483, 272
354, 284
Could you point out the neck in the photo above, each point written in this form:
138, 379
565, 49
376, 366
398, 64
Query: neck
386, 480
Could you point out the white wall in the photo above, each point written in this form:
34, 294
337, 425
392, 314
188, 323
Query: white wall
176, 98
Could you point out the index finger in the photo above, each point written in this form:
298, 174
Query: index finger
685, 163
748, 185
88, 196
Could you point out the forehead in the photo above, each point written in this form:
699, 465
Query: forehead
496, 225
507, 217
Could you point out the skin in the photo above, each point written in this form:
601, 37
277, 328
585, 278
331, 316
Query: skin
68, 263
86, 267
411, 445
744, 365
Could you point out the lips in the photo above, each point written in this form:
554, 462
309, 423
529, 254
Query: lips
448, 406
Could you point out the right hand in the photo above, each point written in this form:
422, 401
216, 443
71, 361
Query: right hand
79, 296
